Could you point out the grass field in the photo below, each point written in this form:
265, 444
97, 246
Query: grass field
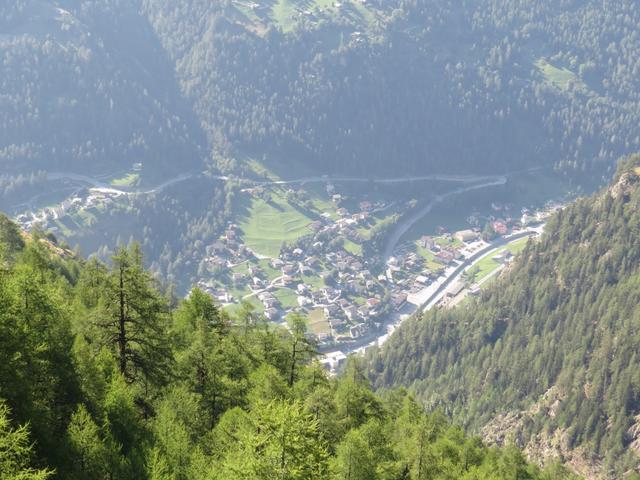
288, 298
267, 225
269, 271
235, 308
318, 322
352, 247
285, 13
429, 258
487, 265
559, 77
128, 180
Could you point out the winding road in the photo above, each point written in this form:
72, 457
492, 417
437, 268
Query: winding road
404, 226
107, 188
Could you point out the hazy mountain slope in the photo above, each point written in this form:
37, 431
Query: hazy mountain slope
86, 87
429, 84
563, 322
412, 85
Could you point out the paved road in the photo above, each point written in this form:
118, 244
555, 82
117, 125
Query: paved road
100, 186
418, 178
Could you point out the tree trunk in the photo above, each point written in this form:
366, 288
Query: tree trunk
292, 374
122, 332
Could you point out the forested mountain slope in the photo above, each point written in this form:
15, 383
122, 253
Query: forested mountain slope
550, 352
87, 87
402, 85
104, 377
417, 85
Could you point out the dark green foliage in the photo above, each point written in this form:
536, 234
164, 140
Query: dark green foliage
196, 395
565, 321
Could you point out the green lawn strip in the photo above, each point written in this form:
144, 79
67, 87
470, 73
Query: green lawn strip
318, 322
487, 265
127, 181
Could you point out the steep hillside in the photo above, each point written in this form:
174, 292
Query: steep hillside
549, 355
86, 87
405, 85
101, 377
416, 85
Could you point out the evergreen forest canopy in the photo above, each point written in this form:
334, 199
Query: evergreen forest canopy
435, 85
550, 352
103, 376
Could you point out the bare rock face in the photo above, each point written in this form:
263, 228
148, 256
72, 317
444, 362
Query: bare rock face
634, 435
625, 185
546, 447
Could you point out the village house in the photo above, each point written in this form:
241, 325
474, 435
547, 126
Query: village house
358, 330
271, 313
237, 277
287, 280
331, 310
289, 269
217, 247
271, 302
218, 262
366, 206
311, 262
223, 296
304, 301
316, 226
356, 287
254, 271
466, 235
337, 323
398, 300
500, 227
455, 289
444, 256
351, 313
304, 270
373, 302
